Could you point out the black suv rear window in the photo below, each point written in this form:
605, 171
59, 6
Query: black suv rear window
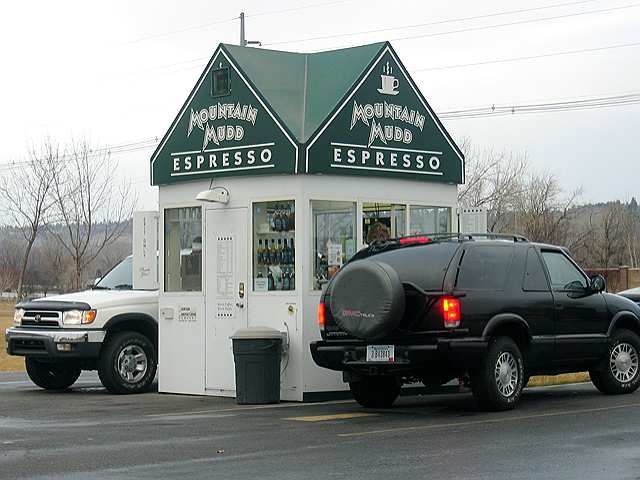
484, 267
424, 265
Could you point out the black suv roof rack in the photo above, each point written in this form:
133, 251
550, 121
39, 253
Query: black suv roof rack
473, 236
378, 246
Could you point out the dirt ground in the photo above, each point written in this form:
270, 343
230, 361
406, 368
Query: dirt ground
7, 363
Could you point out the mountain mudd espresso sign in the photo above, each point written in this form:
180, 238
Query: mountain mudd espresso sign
385, 127
222, 131
256, 111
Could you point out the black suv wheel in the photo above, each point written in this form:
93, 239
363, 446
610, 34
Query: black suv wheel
498, 383
127, 363
51, 376
376, 391
620, 372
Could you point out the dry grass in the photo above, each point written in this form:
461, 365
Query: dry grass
7, 363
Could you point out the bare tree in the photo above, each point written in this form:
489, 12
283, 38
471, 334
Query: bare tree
494, 181
543, 211
25, 199
9, 264
609, 245
92, 209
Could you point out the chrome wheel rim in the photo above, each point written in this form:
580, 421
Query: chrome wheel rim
506, 374
623, 362
132, 363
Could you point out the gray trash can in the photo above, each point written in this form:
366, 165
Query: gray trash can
256, 353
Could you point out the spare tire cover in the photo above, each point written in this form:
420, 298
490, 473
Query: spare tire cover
367, 299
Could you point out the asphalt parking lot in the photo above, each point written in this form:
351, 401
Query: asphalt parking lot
569, 431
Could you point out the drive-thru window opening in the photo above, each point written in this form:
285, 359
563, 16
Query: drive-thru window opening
286, 196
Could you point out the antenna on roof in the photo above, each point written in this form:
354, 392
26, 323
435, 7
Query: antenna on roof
243, 41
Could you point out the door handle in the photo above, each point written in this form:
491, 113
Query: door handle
241, 290
559, 306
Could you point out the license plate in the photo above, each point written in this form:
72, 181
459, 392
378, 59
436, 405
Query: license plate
380, 353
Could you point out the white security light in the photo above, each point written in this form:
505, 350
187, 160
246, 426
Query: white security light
215, 195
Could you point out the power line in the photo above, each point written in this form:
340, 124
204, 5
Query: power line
530, 57
428, 24
501, 110
199, 59
302, 7
182, 30
232, 19
507, 24
116, 149
476, 112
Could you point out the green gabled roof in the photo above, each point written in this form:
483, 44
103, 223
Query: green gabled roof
303, 88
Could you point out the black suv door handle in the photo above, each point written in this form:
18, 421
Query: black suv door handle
559, 306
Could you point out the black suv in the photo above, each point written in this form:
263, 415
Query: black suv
493, 309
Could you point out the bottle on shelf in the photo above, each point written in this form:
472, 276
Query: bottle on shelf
271, 284
266, 253
292, 252
277, 222
286, 281
291, 215
292, 279
280, 253
273, 253
285, 252
260, 253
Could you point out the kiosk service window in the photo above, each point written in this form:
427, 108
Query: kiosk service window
183, 249
429, 220
382, 221
334, 238
274, 238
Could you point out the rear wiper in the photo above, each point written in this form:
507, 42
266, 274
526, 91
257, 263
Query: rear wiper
99, 287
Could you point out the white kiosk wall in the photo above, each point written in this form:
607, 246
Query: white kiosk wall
195, 349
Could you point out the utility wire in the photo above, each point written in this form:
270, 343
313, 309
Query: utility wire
476, 112
501, 110
232, 19
429, 24
200, 59
506, 24
529, 57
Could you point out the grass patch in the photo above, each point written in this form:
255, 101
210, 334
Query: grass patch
8, 363
543, 380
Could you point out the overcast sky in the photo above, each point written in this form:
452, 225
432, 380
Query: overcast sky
109, 71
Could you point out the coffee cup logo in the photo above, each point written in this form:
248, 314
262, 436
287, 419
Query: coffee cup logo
389, 82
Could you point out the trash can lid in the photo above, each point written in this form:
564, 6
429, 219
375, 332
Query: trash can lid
257, 333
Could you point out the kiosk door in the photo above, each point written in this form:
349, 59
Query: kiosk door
226, 293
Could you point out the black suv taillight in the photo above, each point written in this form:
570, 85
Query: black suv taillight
451, 312
321, 315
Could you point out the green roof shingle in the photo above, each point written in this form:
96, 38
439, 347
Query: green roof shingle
303, 88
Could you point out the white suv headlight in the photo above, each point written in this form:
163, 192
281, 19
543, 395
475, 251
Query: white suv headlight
17, 316
78, 317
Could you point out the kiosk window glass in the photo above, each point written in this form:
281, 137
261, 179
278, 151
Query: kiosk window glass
429, 220
274, 251
334, 238
183, 249
382, 221
220, 83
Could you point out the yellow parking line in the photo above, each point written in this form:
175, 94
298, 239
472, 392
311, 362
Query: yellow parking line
337, 416
481, 422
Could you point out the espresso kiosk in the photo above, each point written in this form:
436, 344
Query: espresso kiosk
278, 167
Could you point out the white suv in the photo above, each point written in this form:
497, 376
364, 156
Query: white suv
111, 328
